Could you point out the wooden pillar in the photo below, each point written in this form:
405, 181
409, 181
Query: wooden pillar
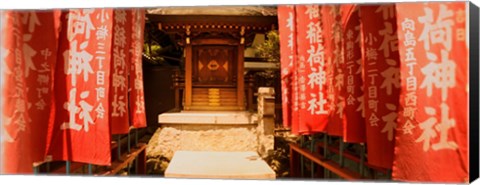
188, 77
240, 70
188, 70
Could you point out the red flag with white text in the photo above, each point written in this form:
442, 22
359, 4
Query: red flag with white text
354, 128
120, 68
286, 19
311, 70
28, 54
137, 100
432, 133
81, 129
382, 81
332, 25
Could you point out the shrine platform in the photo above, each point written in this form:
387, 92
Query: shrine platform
218, 165
208, 117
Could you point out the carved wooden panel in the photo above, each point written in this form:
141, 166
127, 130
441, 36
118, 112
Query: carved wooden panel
214, 65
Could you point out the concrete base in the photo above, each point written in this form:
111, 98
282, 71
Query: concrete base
208, 117
219, 165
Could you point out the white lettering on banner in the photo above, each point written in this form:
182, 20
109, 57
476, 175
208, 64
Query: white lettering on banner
390, 120
314, 104
408, 127
441, 75
119, 39
103, 16
371, 53
411, 99
373, 120
439, 30
312, 11
85, 111
391, 76
409, 112
387, 10
340, 106
314, 32
316, 56
100, 110
28, 54
102, 33
140, 105
72, 109
373, 105
121, 16
78, 61
339, 80
30, 18
100, 93
317, 78
100, 77
390, 41
41, 104
350, 100
361, 107
82, 23
46, 53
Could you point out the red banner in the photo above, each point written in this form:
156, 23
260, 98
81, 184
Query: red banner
354, 128
121, 35
28, 47
432, 134
81, 130
137, 100
382, 81
286, 19
311, 70
335, 74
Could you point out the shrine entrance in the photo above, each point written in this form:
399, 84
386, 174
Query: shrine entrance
214, 84
214, 49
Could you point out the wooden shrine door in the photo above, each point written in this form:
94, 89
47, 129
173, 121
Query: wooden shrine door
214, 66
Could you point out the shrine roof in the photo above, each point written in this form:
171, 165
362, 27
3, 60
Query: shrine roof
217, 10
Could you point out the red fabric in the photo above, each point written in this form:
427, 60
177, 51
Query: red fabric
432, 133
382, 81
122, 24
354, 128
286, 19
336, 77
137, 100
311, 70
28, 47
81, 130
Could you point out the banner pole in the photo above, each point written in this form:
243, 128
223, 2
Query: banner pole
362, 159
35, 169
341, 153
128, 142
67, 169
136, 137
119, 149
301, 157
325, 153
312, 149
90, 169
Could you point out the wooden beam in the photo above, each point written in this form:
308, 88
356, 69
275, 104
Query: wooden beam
330, 165
127, 158
353, 157
202, 19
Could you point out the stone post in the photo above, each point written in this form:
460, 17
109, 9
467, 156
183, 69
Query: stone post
266, 120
